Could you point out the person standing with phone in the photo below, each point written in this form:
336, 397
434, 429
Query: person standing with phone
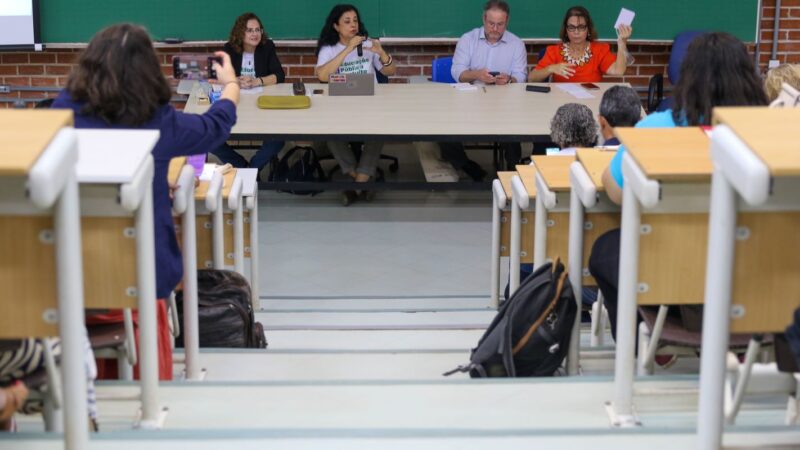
487, 55
579, 58
256, 64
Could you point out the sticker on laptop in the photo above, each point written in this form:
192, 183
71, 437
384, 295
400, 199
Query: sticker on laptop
337, 78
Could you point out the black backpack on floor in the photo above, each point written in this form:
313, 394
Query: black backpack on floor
298, 164
225, 311
529, 336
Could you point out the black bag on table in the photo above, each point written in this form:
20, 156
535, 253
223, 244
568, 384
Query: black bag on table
529, 336
225, 311
298, 164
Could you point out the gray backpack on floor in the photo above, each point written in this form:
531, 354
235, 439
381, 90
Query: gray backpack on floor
529, 336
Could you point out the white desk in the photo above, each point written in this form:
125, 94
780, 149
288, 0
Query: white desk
591, 214
752, 270
183, 206
115, 173
250, 233
666, 173
420, 112
40, 237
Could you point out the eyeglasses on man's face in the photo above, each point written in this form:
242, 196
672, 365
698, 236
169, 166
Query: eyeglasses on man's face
254, 30
576, 29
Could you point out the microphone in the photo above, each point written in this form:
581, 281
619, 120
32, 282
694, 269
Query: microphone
360, 48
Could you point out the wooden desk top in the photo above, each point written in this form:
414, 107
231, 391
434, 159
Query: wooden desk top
175, 166
669, 154
505, 180
769, 133
424, 112
554, 171
595, 161
527, 173
24, 136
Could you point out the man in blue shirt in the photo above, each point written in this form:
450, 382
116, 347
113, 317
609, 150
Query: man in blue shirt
487, 55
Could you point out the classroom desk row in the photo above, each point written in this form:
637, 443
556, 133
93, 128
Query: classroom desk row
715, 227
76, 228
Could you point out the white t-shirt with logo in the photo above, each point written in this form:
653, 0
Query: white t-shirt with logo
368, 63
248, 65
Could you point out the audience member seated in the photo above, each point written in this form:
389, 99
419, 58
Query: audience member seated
619, 107
580, 58
717, 71
256, 64
573, 126
118, 84
487, 55
21, 358
343, 47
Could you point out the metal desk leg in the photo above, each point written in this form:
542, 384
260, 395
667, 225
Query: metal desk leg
716, 322
494, 291
70, 311
515, 246
576, 213
238, 237
191, 326
622, 406
539, 233
254, 268
218, 236
148, 325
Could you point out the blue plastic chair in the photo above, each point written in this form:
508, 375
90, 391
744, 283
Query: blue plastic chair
440, 70
655, 94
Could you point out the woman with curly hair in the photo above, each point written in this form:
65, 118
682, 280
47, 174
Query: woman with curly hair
256, 64
573, 126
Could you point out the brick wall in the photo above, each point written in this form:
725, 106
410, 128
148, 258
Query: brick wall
51, 67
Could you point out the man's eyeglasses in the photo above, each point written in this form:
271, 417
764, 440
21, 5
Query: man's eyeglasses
573, 28
254, 30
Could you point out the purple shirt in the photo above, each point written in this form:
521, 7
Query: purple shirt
474, 52
181, 134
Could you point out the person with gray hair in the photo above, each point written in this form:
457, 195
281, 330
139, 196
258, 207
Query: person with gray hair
619, 107
573, 125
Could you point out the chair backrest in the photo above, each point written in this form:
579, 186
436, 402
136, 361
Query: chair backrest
789, 97
679, 47
440, 70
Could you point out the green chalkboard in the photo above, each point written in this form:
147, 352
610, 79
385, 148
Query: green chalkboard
64, 21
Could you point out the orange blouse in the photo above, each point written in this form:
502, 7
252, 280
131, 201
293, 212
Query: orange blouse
590, 72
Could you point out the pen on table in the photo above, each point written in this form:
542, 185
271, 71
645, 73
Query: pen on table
484, 89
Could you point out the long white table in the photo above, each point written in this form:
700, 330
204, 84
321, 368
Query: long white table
412, 112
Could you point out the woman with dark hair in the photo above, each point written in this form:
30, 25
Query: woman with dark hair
717, 71
256, 64
579, 58
343, 47
118, 84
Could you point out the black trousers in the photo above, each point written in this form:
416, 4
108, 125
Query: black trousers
604, 267
453, 152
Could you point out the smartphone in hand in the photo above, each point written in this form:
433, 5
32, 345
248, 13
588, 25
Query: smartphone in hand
194, 66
